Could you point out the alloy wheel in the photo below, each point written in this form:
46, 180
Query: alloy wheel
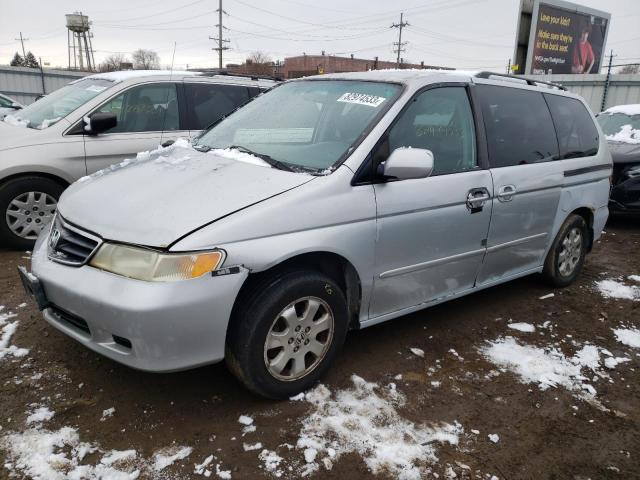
570, 253
299, 338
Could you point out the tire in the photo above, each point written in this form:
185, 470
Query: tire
566, 257
263, 314
39, 196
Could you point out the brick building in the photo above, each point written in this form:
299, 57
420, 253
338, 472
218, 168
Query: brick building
305, 65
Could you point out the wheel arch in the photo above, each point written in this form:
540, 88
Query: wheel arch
588, 215
335, 266
50, 176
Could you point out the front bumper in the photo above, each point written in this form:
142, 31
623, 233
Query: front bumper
151, 326
625, 195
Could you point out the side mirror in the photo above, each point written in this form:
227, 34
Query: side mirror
16, 106
408, 163
99, 122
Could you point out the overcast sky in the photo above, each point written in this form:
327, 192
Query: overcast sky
456, 33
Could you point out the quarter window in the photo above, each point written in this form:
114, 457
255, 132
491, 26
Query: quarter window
519, 126
577, 135
209, 103
145, 108
439, 120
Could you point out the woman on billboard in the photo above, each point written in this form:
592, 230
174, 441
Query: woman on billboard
583, 56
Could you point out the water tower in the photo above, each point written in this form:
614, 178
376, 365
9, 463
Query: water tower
79, 42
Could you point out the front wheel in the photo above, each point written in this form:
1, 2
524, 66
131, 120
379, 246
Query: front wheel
27, 204
567, 253
285, 334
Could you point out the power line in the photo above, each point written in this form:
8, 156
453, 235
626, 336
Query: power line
399, 44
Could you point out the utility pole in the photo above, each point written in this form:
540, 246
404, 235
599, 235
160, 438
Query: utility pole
221, 41
22, 40
606, 82
399, 43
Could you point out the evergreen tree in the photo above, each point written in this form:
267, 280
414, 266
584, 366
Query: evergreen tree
31, 61
17, 61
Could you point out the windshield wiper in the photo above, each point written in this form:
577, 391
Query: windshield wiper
267, 158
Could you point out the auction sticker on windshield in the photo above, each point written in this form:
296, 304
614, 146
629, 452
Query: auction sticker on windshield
362, 99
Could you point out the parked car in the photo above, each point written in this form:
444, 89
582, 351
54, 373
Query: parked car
8, 105
329, 203
95, 122
621, 125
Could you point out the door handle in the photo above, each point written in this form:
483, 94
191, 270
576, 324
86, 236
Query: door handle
476, 198
506, 193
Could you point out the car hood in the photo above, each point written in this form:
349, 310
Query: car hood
163, 195
12, 136
624, 152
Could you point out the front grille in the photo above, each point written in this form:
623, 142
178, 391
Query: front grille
70, 319
70, 245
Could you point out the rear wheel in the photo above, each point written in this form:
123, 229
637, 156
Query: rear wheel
285, 334
27, 205
567, 253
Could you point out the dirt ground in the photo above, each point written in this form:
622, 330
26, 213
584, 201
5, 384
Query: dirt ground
543, 434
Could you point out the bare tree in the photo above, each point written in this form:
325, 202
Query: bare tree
145, 59
258, 63
630, 69
112, 62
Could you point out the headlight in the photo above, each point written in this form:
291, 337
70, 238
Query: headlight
152, 266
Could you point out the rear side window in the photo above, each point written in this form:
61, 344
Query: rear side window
519, 126
206, 103
577, 135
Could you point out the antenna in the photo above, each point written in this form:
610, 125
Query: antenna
164, 118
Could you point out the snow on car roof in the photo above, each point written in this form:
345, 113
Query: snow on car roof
632, 109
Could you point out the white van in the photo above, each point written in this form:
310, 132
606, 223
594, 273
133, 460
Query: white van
95, 122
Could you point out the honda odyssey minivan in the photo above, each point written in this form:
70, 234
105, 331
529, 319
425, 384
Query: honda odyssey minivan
329, 203
97, 121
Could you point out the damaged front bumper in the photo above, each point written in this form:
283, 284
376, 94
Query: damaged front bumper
152, 326
625, 191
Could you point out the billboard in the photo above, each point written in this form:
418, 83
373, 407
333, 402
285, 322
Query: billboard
563, 38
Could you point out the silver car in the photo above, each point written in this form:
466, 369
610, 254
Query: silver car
95, 122
329, 203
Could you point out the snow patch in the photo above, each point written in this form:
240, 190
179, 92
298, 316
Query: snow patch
39, 415
615, 289
628, 336
494, 437
248, 447
522, 327
107, 413
548, 367
632, 109
169, 455
235, 154
15, 121
56, 455
8, 329
363, 419
626, 134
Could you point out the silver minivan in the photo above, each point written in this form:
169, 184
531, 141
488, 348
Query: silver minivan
329, 203
95, 122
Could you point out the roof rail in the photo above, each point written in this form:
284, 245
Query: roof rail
534, 83
214, 72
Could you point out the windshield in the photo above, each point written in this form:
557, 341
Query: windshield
304, 124
614, 123
51, 108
